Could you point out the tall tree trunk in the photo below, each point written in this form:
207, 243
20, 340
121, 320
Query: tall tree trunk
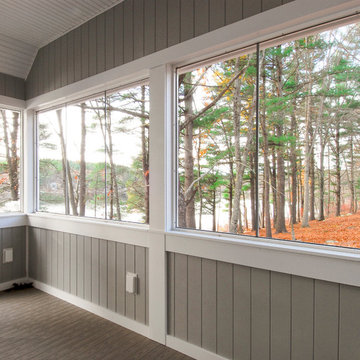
214, 211
338, 168
82, 194
189, 158
66, 165
145, 155
280, 225
293, 162
312, 184
273, 184
252, 191
352, 180
267, 173
321, 180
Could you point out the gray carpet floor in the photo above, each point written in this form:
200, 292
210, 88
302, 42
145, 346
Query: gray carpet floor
35, 325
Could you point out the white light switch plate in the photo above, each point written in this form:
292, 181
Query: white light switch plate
7, 255
131, 283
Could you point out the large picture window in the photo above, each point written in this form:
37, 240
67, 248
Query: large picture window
277, 160
93, 157
10, 130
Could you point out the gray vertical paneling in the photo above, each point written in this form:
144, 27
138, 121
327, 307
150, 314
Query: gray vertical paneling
128, 31
70, 57
326, 321
130, 267
6, 269
160, 24
140, 298
100, 43
40, 74
73, 264
48, 271
260, 314
95, 273
38, 254
111, 276
46, 66
120, 282
208, 308
302, 316
51, 84
64, 61
57, 75
43, 252
19, 246
84, 50
103, 268
32, 253
80, 291
147, 285
181, 295
280, 316
171, 293
217, 14
349, 337
201, 15
60, 260
92, 47
242, 312
109, 38
270, 4
87, 268
194, 300
187, 20
149, 27
54, 258
66, 262
233, 11
119, 34
77, 54
251, 7
224, 309
138, 28
173, 18
2, 84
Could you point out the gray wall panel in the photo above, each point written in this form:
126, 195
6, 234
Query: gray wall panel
187, 20
217, 14
14, 238
249, 313
90, 268
138, 18
128, 31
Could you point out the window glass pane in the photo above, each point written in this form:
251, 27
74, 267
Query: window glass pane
10, 130
309, 158
52, 164
216, 146
128, 155
86, 156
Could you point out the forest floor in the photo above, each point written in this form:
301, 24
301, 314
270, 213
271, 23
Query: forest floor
339, 231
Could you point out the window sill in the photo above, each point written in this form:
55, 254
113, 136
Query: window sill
322, 262
12, 219
129, 233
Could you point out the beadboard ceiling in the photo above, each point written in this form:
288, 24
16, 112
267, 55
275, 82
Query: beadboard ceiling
27, 25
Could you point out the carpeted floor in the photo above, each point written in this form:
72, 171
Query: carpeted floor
35, 325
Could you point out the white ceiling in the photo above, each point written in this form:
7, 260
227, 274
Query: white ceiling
27, 25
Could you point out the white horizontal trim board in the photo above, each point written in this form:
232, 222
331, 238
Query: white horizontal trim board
302, 259
133, 234
191, 350
12, 103
95, 309
13, 220
9, 284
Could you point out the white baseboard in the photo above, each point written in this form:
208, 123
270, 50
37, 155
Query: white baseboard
191, 350
9, 284
93, 308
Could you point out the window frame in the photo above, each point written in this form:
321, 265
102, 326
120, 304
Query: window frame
183, 67
71, 100
17, 106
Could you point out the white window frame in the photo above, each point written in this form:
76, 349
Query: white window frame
16, 218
